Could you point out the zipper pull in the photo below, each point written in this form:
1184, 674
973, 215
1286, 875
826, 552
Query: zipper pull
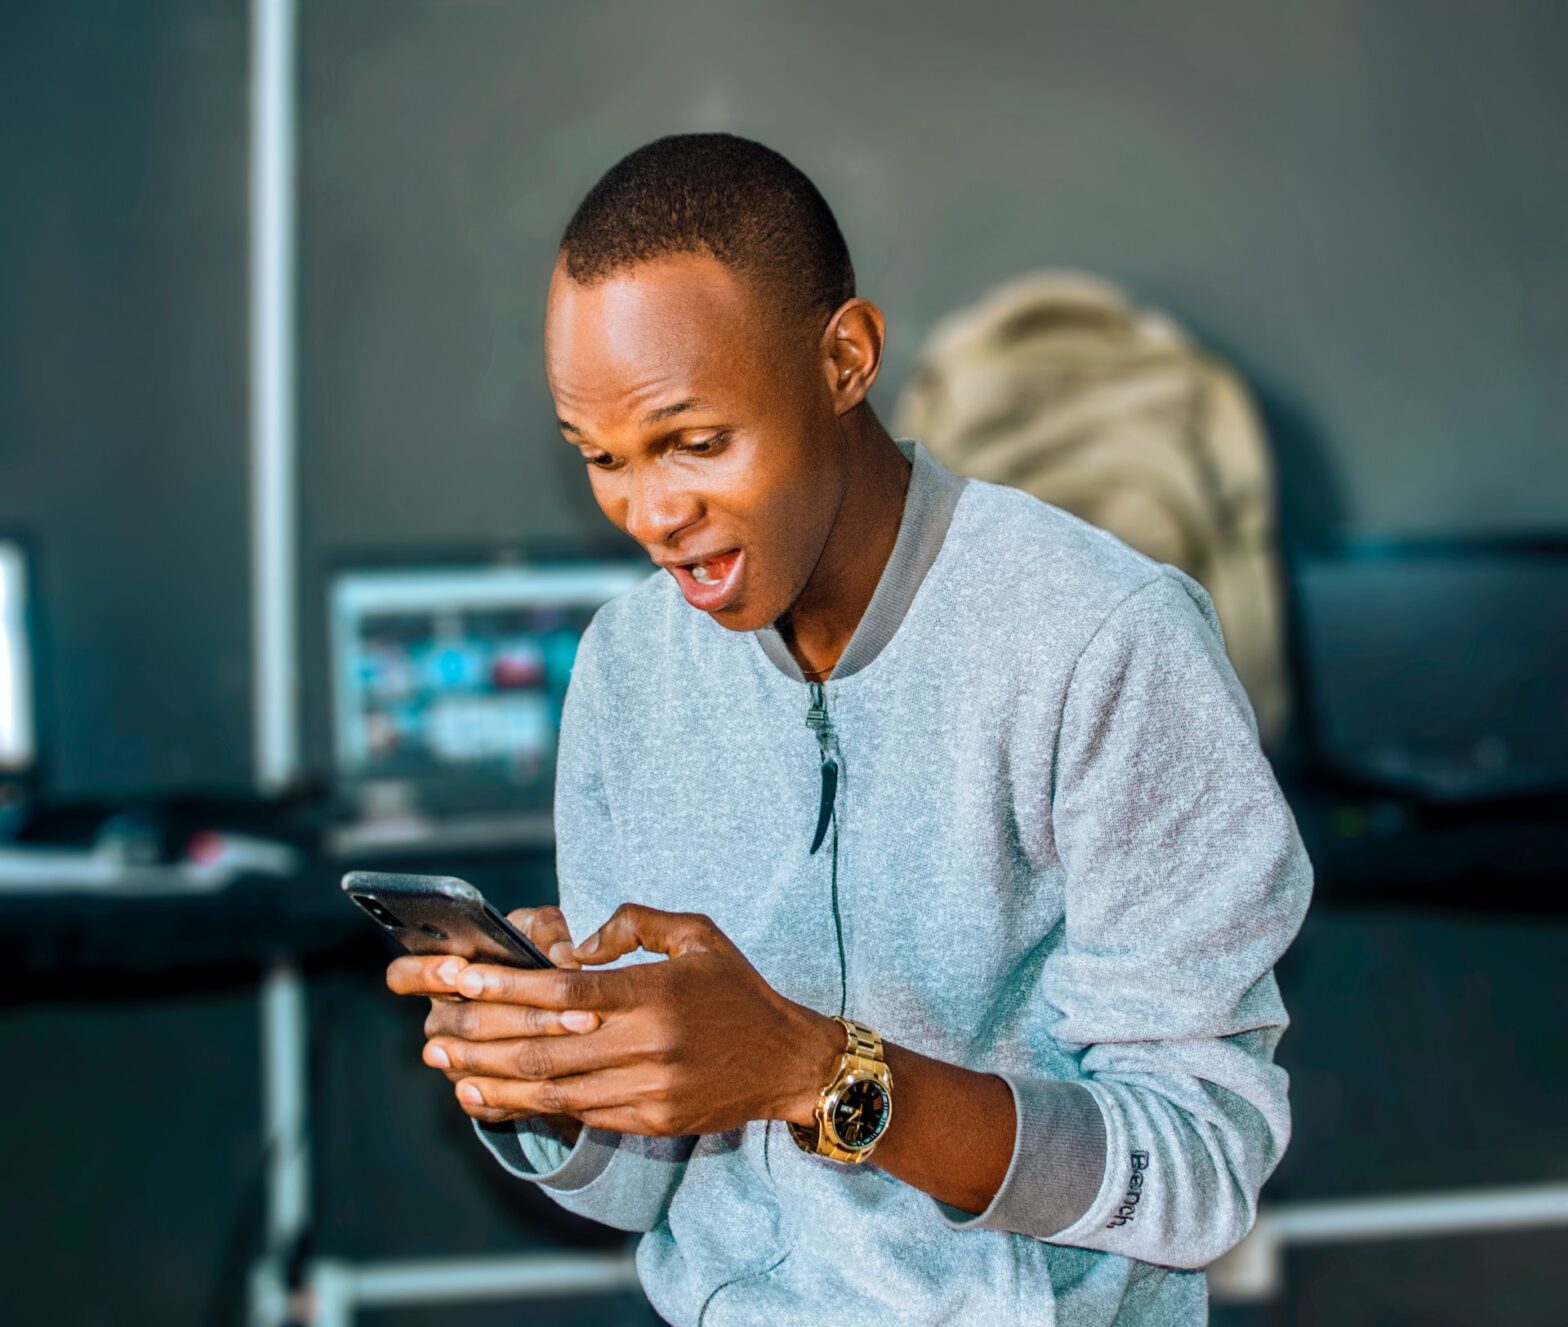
817, 715
817, 720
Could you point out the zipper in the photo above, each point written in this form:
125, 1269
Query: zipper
819, 721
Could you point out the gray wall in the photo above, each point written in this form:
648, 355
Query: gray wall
1359, 203
122, 381
1363, 205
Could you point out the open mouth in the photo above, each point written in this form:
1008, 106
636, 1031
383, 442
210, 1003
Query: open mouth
710, 585
713, 571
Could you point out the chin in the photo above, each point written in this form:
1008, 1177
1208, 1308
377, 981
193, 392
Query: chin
737, 617
749, 612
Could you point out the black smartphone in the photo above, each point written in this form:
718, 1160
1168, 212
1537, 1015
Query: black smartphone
440, 914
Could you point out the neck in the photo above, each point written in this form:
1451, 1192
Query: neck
822, 619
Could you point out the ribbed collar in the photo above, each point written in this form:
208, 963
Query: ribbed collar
928, 510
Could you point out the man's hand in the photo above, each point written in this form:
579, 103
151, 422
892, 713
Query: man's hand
697, 1044
436, 975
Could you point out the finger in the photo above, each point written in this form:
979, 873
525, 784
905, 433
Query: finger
550, 1096
626, 1117
544, 988
622, 1119
635, 926
479, 1020
532, 1058
546, 927
424, 974
487, 1116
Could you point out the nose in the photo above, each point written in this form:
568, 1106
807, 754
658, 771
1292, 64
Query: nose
657, 508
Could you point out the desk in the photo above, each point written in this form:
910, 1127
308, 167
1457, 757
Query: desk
275, 929
252, 921
282, 939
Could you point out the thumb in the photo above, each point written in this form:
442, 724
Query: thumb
634, 926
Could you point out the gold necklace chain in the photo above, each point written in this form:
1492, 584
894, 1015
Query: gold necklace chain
810, 674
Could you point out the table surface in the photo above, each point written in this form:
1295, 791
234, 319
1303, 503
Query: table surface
1365, 847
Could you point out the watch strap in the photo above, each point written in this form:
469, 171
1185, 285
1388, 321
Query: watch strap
862, 1056
862, 1041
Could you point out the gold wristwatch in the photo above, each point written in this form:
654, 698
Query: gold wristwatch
853, 1110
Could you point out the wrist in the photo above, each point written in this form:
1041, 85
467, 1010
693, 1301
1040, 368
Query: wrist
815, 1045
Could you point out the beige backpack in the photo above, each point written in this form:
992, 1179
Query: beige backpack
1055, 383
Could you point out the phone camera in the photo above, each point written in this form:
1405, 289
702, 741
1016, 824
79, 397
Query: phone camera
377, 910
434, 932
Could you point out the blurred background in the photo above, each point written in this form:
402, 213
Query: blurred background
292, 569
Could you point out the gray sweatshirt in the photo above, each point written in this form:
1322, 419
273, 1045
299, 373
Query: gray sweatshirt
1028, 830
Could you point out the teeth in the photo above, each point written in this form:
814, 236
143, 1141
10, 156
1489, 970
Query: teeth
703, 573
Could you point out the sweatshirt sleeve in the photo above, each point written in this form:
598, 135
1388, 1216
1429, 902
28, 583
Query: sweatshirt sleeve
620, 1179
1186, 879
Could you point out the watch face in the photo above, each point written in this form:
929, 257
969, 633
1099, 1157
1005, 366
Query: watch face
861, 1113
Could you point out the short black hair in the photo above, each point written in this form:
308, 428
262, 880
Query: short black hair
734, 199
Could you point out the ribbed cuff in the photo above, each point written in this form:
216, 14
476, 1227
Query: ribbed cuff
578, 1167
1057, 1166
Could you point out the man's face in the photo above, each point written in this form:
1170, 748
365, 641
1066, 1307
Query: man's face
706, 423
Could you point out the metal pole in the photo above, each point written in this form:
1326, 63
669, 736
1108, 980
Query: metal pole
283, 1087
530, 1276
285, 1140
1254, 1268
337, 1289
275, 691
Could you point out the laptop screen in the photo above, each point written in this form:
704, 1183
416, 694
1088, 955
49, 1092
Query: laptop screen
1440, 667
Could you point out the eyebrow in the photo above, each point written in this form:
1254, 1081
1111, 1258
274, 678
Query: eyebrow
652, 417
675, 408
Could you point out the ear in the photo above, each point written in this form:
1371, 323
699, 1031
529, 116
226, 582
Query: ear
852, 352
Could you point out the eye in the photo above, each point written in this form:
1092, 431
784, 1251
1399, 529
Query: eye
707, 446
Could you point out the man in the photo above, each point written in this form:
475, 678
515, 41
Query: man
923, 753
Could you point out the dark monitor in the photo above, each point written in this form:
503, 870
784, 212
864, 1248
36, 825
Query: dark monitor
1440, 668
447, 693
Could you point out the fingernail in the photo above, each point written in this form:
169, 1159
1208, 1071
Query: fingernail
438, 1057
561, 952
580, 1020
589, 945
470, 1095
471, 983
448, 971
